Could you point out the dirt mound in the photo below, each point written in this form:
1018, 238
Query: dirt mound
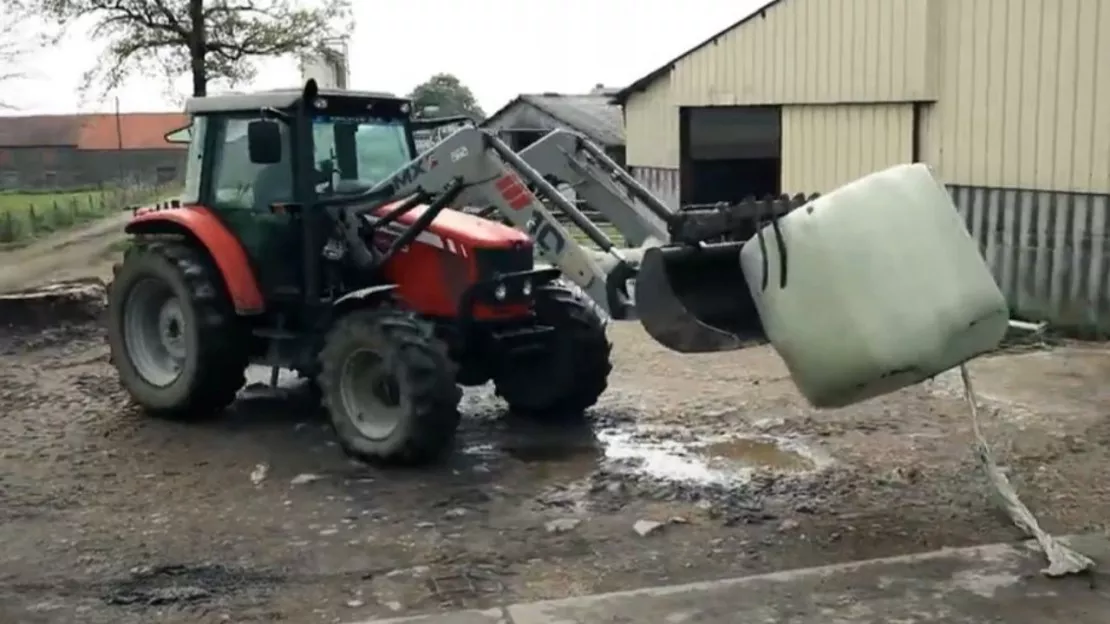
77, 302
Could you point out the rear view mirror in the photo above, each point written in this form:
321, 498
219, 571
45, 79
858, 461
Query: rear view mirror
264, 142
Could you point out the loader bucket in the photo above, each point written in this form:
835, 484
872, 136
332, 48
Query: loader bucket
696, 300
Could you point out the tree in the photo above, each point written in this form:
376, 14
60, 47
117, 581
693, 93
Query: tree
16, 44
207, 39
448, 95
9, 59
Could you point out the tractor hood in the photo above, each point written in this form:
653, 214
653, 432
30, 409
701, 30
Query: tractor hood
470, 230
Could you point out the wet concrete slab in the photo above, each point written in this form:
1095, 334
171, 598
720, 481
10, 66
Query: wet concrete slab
998, 583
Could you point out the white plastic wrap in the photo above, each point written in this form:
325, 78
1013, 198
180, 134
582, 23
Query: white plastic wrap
884, 288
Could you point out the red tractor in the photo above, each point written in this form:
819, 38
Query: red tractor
311, 236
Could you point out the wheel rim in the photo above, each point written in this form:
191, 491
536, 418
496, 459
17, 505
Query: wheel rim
373, 397
155, 332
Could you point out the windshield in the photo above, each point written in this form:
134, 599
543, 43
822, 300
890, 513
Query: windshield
355, 154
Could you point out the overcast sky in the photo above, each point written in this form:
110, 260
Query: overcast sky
499, 48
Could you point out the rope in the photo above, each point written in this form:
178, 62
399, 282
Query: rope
1062, 560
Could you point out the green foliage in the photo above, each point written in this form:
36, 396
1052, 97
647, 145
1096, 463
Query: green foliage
25, 216
213, 40
449, 95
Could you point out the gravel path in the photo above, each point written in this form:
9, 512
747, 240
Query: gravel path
87, 251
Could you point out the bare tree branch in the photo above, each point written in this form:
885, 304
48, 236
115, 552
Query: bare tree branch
159, 37
16, 45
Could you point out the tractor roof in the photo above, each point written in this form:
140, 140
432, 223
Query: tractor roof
277, 98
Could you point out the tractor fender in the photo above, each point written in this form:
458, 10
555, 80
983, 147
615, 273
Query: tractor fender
223, 247
362, 296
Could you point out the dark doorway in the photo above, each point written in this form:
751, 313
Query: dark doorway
523, 138
729, 153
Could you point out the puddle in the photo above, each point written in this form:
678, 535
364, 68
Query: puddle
557, 458
655, 453
766, 453
725, 460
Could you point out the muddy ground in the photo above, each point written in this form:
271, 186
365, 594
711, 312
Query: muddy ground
108, 516
690, 468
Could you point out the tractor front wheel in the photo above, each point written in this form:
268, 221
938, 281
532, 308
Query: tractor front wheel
173, 334
389, 387
569, 378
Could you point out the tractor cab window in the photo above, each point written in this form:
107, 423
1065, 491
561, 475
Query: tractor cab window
355, 154
240, 184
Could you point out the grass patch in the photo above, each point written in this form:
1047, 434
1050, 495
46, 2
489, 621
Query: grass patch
27, 216
581, 238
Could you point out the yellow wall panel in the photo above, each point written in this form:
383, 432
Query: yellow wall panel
651, 127
817, 51
825, 146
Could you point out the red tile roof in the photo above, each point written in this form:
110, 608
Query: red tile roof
92, 132
40, 131
141, 131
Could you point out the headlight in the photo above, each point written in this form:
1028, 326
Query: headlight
527, 288
500, 292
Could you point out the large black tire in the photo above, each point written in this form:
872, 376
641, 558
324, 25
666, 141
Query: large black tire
212, 367
387, 365
572, 376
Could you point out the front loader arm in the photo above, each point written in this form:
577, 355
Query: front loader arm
596, 178
486, 172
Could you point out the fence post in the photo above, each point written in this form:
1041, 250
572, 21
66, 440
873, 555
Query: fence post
9, 233
32, 220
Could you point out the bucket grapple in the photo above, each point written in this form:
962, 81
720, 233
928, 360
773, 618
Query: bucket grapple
681, 268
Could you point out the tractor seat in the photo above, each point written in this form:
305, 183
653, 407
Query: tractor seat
272, 184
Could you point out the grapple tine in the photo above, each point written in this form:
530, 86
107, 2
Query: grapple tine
696, 300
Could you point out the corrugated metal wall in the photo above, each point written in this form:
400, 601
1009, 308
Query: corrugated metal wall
818, 51
662, 182
800, 51
824, 146
1047, 251
1020, 85
1017, 94
1023, 95
651, 127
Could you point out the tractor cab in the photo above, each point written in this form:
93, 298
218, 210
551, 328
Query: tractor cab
262, 161
250, 148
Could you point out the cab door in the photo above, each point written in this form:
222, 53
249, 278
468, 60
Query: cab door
243, 193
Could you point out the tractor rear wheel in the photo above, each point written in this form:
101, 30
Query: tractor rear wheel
569, 378
173, 334
389, 387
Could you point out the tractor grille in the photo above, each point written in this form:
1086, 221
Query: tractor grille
492, 262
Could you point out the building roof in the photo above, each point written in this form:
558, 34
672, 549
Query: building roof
643, 83
39, 131
138, 131
593, 114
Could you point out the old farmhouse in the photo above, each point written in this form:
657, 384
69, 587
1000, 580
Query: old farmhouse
73, 151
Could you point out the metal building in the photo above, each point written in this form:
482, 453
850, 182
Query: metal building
1006, 99
528, 117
